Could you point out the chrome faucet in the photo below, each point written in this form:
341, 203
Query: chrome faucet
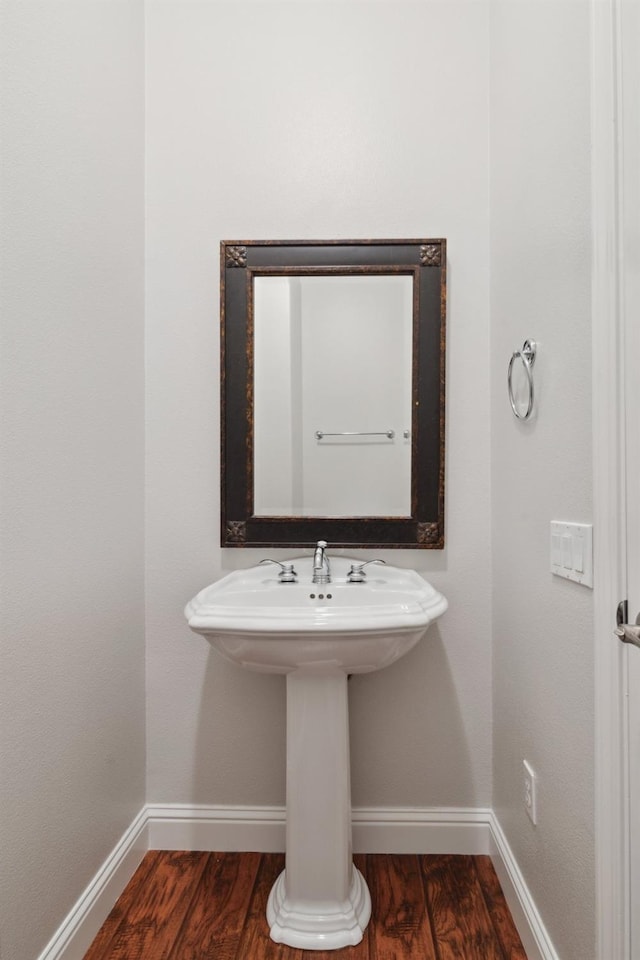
321, 568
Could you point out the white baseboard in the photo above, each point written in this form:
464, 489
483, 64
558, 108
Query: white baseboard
178, 826
375, 830
421, 830
77, 931
533, 933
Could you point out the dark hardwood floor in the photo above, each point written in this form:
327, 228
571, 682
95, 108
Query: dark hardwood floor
211, 906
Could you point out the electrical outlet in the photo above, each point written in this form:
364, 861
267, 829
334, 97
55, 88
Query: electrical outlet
529, 795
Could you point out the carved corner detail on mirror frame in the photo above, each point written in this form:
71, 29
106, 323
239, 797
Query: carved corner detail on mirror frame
236, 531
430, 255
236, 256
418, 523
430, 533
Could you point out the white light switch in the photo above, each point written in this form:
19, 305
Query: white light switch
578, 552
556, 549
572, 551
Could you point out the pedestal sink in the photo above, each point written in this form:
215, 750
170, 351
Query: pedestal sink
317, 634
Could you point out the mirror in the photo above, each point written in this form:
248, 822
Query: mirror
332, 379
332, 396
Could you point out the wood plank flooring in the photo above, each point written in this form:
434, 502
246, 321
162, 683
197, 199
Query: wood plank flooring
211, 906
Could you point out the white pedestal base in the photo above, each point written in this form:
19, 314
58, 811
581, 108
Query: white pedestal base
315, 926
320, 902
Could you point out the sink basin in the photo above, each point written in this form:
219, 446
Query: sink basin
316, 635
260, 623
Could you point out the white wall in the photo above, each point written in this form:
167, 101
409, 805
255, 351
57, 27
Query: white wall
541, 471
317, 120
71, 454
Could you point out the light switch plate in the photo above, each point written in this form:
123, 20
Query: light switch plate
571, 546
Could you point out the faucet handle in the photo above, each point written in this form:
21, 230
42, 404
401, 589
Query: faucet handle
356, 572
287, 573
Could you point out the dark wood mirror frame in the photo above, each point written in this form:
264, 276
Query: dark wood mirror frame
241, 261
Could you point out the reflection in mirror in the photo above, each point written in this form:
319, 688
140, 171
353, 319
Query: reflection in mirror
332, 356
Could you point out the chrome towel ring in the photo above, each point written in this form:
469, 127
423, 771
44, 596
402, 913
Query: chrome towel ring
528, 357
